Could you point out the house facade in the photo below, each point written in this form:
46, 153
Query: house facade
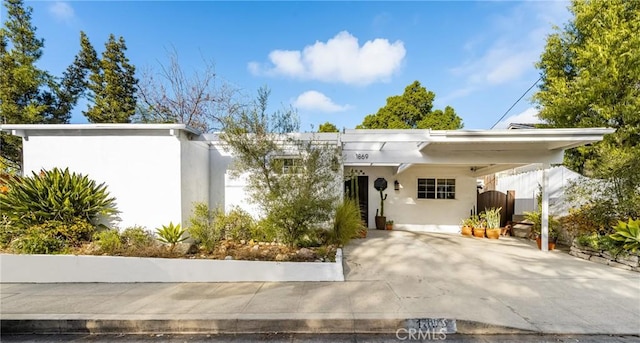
157, 171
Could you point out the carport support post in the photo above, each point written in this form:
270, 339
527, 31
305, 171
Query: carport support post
545, 207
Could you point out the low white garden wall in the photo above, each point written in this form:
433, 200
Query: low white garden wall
83, 268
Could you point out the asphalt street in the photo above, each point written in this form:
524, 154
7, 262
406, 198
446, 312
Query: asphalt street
318, 338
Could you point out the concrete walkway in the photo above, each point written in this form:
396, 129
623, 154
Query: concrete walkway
487, 286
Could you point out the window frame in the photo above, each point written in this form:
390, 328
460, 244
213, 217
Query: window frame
436, 188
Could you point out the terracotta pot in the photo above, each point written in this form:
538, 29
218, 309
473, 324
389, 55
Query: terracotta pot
467, 231
389, 226
478, 232
381, 222
493, 233
551, 244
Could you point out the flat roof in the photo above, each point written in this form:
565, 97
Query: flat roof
61, 129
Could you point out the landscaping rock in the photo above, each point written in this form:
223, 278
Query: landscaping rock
631, 260
281, 257
242, 241
599, 259
186, 248
619, 265
255, 248
228, 257
305, 253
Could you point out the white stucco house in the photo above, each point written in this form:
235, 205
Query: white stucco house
157, 171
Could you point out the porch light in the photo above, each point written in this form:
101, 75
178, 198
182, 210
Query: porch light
396, 185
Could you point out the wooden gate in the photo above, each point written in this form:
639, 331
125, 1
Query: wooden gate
496, 199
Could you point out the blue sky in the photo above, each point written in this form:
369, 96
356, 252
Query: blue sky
334, 61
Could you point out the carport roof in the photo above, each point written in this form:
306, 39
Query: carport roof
485, 151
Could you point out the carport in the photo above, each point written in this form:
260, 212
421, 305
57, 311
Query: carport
458, 157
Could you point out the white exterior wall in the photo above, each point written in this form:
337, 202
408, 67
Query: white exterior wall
413, 214
526, 184
225, 191
141, 172
194, 176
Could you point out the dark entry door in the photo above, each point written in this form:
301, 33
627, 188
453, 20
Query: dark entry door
363, 196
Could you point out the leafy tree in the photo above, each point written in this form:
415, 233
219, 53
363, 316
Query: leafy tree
591, 78
412, 110
292, 180
28, 94
199, 100
328, 127
112, 82
591, 75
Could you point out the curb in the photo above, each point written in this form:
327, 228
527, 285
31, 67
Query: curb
246, 326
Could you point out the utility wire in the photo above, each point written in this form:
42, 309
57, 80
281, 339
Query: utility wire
520, 98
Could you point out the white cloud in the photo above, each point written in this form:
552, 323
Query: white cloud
62, 11
528, 116
340, 59
316, 101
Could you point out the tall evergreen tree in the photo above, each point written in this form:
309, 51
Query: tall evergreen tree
111, 83
29, 95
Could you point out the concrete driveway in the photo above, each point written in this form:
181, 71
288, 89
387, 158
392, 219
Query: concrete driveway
502, 282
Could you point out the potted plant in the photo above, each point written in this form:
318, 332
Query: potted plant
389, 224
479, 227
466, 226
492, 216
380, 184
536, 218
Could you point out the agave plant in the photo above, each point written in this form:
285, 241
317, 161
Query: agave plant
628, 234
55, 195
171, 234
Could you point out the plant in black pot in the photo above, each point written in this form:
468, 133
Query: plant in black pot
380, 184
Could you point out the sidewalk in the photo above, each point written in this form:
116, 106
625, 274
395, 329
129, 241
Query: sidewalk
504, 286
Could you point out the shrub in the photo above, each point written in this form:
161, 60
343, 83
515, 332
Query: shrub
9, 231
314, 238
202, 226
346, 223
171, 234
51, 237
37, 241
55, 195
628, 235
136, 237
108, 241
207, 227
265, 231
600, 243
73, 233
237, 224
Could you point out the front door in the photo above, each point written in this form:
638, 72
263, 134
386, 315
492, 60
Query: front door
363, 196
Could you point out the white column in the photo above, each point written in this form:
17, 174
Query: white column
545, 207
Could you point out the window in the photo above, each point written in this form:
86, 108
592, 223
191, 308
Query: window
291, 165
436, 188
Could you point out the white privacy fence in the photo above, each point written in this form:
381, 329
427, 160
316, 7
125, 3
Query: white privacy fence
526, 185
